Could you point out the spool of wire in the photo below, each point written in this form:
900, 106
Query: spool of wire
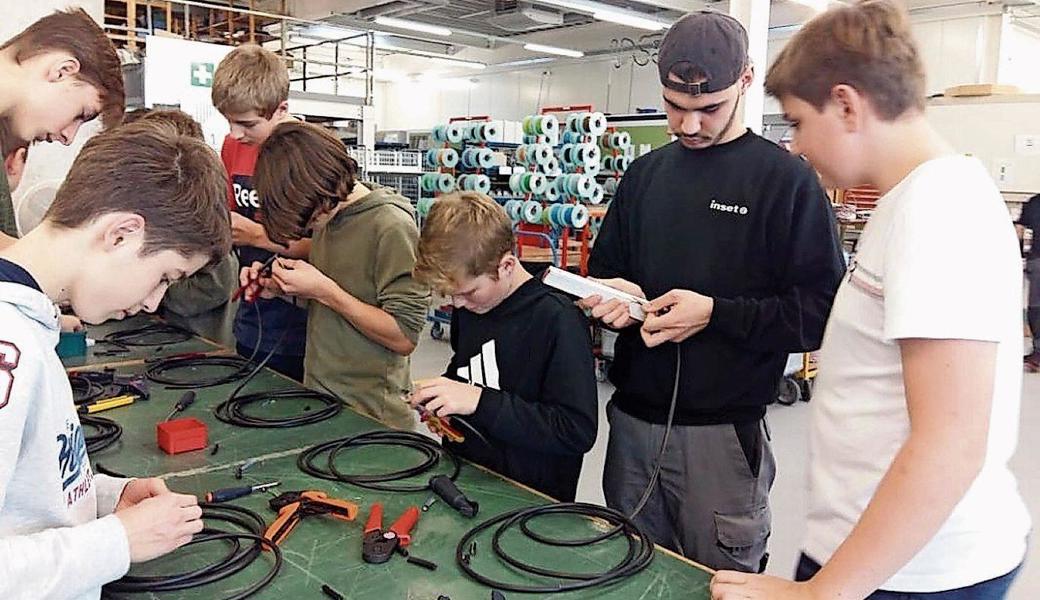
437, 182
475, 183
532, 212
597, 194
578, 217
320, 460
621, 164
551, 193
513, 208
246, 526
422, 206
608, 164
610, 185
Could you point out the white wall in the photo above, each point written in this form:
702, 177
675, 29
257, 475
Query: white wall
1019, 57
19, 15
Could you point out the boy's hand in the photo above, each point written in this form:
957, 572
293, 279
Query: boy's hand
70, 323
613, 313
264, 287
733, 585
141, 489
675, 317
245, 231
300, 278
443, 397
160, 524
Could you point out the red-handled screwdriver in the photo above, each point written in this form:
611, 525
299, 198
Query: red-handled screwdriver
226, 494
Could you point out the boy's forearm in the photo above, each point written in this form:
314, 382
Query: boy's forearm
373, 322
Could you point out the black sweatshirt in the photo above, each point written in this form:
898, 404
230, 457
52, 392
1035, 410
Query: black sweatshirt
746, 223
533, 355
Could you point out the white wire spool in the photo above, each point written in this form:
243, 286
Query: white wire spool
586, 154
513, 208
454, 133
597, 195
539, 183
486, 158
423, 206
445, 183
625, 140
592, 169
542, 154
514, 183
621, 164
610, 185
552, 167
531, 212
551, 193
447, 157
584, 185
481, 183
608, 163
594, 124
579, 216
572, 123
438, 133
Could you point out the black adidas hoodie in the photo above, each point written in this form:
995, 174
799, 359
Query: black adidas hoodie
746, 223
533, 355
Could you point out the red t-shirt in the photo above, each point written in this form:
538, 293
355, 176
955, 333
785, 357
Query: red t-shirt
240, 162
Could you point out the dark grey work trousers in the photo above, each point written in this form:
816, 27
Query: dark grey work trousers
711, 502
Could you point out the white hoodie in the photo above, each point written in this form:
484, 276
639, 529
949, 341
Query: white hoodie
58, 536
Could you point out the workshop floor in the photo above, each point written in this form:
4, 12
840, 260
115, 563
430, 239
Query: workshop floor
789, 426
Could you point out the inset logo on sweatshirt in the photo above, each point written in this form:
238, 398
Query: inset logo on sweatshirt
728, 208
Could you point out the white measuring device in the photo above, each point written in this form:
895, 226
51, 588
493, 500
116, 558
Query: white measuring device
583, 287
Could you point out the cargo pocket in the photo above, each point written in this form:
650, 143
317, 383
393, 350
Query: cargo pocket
741, 539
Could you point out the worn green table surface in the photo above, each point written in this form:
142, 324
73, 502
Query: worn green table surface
326, 551
134, 353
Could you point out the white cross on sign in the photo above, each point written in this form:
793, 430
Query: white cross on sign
201, 74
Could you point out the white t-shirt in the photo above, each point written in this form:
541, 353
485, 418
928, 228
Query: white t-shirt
938, 260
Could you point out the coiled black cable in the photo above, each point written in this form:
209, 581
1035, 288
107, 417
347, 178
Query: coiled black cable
638, 557
85, 388
233, 410
153, 334
250, 527
107, 433
161, 371
310, 461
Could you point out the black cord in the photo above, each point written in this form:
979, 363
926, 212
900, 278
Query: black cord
86, 388
640, 547
638, 557
153, 334
161, 371
310, 460
107, 433
233, 410
250, 527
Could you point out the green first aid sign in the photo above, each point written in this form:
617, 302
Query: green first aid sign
202, 74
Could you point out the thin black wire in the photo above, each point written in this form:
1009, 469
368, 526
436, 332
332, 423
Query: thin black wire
145, 336
250, 528
107, 433
310, 461
84, 388
233, 410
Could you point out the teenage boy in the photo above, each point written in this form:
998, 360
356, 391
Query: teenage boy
522, 372
365, 311
251, 90
144, 207
57, 74
915, 410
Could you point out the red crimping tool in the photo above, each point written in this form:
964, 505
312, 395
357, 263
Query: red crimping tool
293, 506
377, 546
440, 426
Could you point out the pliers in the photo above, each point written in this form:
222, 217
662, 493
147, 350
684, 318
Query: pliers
293, 506
377, 546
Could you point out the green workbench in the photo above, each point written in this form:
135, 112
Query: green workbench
322, 550
133, 353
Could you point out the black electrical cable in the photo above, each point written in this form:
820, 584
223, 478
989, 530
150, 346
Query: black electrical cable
310, 461
153, 334
250, 528
640, 547
85, 388
161, 371
638, 557
233, 410
107, 433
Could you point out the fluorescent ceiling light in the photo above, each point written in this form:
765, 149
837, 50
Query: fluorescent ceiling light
554, 50
459, 63
328, 32
630, 20
525, 61
412, 25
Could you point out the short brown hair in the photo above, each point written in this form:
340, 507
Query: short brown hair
868, 46
181, 121
301, 169
74, 32
250, 78
466, 234
177, 183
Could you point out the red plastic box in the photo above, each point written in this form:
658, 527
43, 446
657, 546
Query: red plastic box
181, 435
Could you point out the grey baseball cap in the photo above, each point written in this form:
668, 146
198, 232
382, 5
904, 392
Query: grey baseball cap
714, 43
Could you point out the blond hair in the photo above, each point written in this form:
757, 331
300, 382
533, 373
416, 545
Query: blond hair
868, 46
250, 78
465, 235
